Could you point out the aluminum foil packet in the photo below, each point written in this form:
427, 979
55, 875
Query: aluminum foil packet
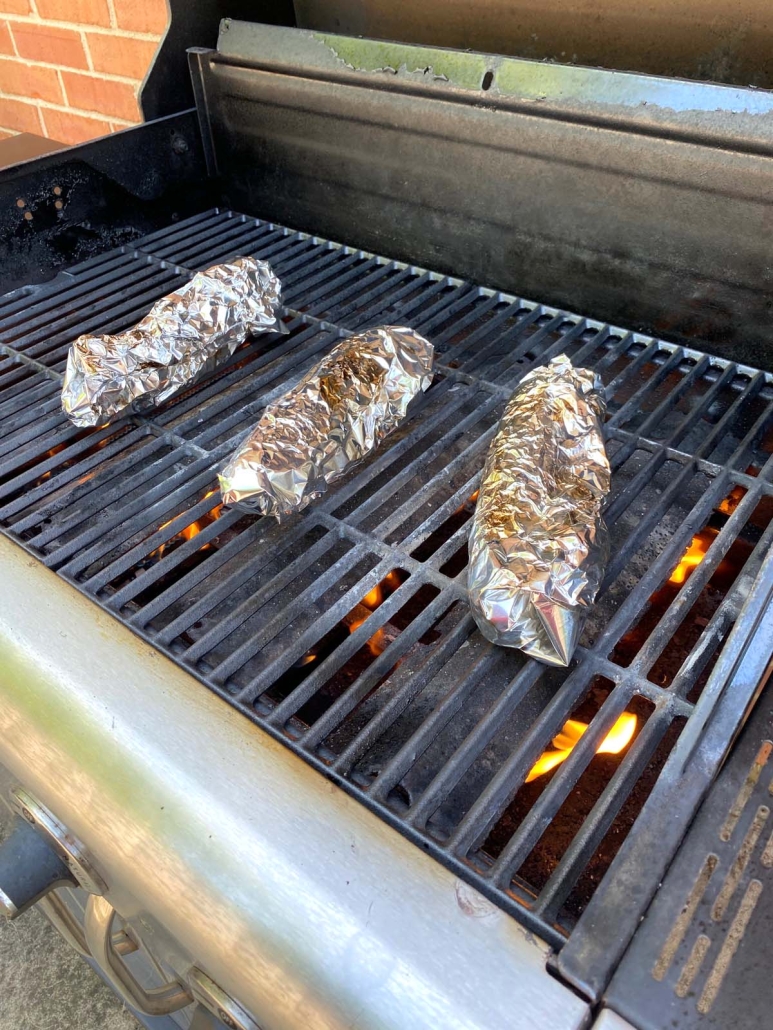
337, 414
184, 336
538, 543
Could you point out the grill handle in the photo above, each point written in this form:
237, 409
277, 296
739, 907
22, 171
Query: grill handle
157, 1001
60, 916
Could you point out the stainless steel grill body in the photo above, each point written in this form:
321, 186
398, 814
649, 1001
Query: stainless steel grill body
302, 905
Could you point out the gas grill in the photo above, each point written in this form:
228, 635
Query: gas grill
344, 633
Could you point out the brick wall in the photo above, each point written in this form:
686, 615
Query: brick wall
71, 69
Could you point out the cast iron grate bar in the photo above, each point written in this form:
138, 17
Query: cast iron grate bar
344, 632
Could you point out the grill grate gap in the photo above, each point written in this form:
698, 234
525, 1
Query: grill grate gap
570, 825
610, 844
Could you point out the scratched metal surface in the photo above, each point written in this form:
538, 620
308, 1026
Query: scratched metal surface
701, 956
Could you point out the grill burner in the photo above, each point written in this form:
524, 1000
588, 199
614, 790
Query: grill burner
345, 631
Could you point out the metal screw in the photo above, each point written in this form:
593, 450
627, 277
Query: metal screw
179, 145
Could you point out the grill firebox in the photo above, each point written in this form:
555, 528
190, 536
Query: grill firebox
344, 632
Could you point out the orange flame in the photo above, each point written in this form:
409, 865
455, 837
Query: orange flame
693, 556
306, 659
471, 500
618, 738
376, 645
733, 499
49, 454
189, 532
392, 580
375, 597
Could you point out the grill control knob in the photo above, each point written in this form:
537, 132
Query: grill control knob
29, 868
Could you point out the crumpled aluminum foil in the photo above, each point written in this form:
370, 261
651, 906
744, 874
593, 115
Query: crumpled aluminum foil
185, 335
538, 544
337, 414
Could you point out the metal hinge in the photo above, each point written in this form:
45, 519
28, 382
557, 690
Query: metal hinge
71, 851
216, 1001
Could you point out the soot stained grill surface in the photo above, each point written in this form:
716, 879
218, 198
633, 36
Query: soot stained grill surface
344, 631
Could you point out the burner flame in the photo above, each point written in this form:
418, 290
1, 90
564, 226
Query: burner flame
306, 659
618, 738
49, 454
189, 532
471, 501
693, 556
372, 600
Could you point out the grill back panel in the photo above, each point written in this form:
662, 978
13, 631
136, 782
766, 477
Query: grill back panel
631, 197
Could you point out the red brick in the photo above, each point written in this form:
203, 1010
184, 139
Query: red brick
28, 80
15, 7
92, 93
6, 44
121, 55
16, 115
68, 127
141, 15
85, 12
48, 43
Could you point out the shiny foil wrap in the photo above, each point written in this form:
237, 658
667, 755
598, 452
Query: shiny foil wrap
184, 335
337, 414
538, 543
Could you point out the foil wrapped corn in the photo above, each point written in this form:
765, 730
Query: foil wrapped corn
185, 335
538, 543
337, 414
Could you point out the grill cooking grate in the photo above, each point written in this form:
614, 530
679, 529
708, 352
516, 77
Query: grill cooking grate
344, 631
